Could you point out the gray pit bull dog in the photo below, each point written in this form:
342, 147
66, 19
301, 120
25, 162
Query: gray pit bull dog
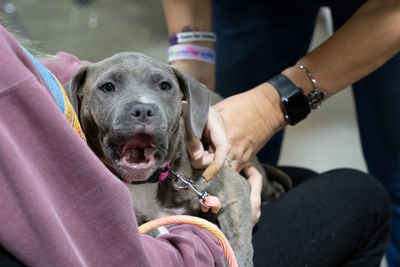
130, 108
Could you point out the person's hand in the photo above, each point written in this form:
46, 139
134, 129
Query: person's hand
202, 71
214, 136
255, 179
251, 119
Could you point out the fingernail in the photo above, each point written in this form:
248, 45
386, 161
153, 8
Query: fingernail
196, 155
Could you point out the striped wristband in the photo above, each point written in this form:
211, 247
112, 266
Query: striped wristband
185, 37
191, 52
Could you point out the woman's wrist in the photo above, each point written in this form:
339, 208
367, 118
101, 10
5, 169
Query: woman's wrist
298, 92
267, 101
195, 58
202, 71
191, 52
299, 78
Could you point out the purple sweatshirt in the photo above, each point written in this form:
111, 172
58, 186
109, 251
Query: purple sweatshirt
59, 205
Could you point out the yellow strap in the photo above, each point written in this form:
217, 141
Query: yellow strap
69, 112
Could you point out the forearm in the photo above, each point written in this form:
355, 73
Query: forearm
194, 15
364, 43
184, 15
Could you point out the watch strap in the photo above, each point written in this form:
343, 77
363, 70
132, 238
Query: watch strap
283, 85
294, 103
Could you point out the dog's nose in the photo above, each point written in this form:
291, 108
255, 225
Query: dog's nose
143, 112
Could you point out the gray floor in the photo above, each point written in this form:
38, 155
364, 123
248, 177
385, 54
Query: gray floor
96, 30
327, 139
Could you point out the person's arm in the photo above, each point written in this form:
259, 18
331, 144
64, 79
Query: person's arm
196, 15
191, 15
365, 42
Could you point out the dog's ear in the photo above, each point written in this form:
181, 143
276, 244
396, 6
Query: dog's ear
74, 87
197, 96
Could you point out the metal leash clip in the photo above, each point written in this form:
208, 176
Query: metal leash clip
185, 185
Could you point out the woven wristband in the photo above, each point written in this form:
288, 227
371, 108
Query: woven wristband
191, 52
185, 37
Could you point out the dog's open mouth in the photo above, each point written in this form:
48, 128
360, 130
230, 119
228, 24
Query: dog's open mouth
137, 158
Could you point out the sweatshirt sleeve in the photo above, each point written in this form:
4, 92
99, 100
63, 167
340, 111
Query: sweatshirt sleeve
63, 65
59, 205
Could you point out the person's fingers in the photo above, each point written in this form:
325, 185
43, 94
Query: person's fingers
219, 140
222, 149
235, 166
206, 159
255, 179
238, 166
194, 148
252, 119
214, 137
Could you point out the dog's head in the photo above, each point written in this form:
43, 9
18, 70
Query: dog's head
130, 108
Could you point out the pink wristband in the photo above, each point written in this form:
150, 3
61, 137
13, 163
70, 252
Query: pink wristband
191, 52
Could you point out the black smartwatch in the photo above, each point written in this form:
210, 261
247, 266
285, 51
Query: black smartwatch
294, 103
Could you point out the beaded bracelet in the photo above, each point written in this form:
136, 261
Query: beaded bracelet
185, 37
317, 94
191, 52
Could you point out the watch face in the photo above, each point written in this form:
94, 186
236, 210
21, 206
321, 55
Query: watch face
296, 107
294, 103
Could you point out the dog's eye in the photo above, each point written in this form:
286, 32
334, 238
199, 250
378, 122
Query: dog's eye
107, 88
165, 86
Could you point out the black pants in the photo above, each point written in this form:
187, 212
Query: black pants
338, 218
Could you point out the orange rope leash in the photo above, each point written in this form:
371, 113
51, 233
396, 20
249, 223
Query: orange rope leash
210, 227
211, 202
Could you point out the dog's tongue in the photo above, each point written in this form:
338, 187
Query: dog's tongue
138, 150
141, 155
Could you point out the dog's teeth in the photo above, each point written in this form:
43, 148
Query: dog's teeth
130, 155
149, 151
140, 149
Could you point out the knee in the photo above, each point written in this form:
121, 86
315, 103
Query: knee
363, 188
